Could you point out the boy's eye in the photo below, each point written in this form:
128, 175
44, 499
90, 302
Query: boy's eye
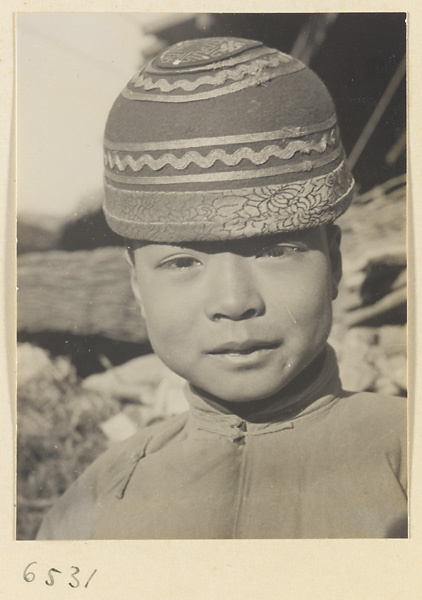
279, 250
180, 262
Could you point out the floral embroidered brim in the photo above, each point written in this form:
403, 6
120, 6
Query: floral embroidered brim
223, 138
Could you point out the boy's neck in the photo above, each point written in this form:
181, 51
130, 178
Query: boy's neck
246, 410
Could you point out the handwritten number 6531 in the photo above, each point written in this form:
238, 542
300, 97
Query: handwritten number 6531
29, 576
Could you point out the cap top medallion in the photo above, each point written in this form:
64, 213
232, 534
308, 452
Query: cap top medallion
194, 53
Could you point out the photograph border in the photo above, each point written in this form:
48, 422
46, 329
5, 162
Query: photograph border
328, 569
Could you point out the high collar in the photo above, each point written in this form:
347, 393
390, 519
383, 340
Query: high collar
279, 414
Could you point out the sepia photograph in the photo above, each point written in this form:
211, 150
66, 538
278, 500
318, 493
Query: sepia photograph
212, 276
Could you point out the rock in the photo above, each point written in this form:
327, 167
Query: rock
393, 338
356, 370
118, 428
31, 362
386, 386
147, 381
135, 380
374, 359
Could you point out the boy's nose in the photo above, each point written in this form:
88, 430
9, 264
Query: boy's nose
232, 291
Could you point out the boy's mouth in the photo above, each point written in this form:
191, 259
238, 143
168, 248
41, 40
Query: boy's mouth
237, 349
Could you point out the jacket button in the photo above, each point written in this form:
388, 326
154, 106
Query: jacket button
241, 425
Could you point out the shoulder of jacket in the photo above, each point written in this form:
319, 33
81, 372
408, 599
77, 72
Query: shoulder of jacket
379, 403
73, 515
375, 412
116, 465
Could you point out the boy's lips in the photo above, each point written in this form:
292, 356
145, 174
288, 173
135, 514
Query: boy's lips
243, 348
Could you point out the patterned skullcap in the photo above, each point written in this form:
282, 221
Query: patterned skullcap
223, 138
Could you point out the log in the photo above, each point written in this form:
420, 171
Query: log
83, 293
396, 300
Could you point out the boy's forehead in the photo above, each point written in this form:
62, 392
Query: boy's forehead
311, 238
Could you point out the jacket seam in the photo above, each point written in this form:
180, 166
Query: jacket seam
240, 488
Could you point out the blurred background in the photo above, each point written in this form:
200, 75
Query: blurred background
87, 377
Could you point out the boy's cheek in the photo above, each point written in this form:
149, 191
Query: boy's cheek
167, 334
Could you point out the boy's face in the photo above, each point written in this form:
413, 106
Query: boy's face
240, 319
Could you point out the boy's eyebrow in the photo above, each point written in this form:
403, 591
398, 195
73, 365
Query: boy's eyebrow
248, 246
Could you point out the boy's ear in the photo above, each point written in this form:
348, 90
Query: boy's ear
130, 259
334, 239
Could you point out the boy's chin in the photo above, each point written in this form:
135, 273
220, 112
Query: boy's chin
239, 394
268, 385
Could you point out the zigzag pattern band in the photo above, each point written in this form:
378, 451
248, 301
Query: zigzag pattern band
304, 166
235, 74
256, 157
252, 80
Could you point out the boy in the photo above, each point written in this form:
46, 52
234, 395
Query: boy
225, 171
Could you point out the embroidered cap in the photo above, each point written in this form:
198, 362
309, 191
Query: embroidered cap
223, 138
